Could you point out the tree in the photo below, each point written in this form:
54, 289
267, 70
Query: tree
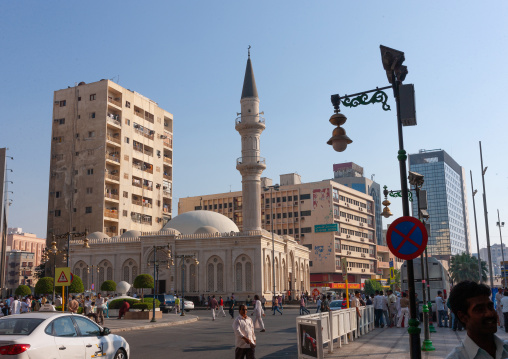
465, 267
40, 270
108, 286
23, 290
395, 282
76, 285
371, 286
143, 281
44, 285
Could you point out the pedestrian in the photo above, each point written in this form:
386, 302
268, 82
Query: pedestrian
368, 301
123, 309
343, 305
378, 310
279, 300
441, 310
385, 308
471, 304
213, 306
232, 309
302, 306
404, 311
245, 338
499, 310
504, 309
275, 305
325, 303
263, 302
221, 306
318, 305
58, 301
87, 305
24, 305
355, 303
73, 305
99, 302
15, 306
258, 312
177, 305
392, 306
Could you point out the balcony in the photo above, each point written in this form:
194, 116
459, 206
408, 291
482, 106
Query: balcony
383, 264
137, 184
167, 194
144, 132
168, 160
137, 202
111, 213
165, 210
168, 177
113, 139
252, 159
114, 119
111, 196
114, 158
167, 142
112, 177
115, 101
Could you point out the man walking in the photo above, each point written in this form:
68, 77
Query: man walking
378, 310
221, 306
245, 338
404, 311
441, 310
302, 306
275, 305
318, 305
355, 303
99, 302
213, 306
15, 306
392, 306
258, 311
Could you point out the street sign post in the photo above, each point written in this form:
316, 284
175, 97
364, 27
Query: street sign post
406, 238
343, 264
63, 278
332, 227
392, 271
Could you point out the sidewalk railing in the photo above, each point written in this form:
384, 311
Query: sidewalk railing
316, 330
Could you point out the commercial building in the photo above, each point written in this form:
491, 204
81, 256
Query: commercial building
111, 161
17, 240
299, 210
447, 202
19, 269
351, 175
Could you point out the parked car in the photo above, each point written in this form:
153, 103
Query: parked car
52, 334
187, 305
336, 304
167, 301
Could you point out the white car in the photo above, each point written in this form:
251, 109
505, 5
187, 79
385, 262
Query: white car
187, 305
57, 335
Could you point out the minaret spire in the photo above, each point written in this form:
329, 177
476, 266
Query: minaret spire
251, 165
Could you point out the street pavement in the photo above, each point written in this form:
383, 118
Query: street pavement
214, 339
393, 343
118, 326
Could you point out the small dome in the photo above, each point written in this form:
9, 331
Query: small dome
123, 287
206, 230
97, 235
131, 234
190, 222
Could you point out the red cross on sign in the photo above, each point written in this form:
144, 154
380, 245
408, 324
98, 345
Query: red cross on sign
406, 238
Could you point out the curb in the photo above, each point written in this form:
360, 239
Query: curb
157, 325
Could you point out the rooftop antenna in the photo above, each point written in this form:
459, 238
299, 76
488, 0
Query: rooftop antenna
229, 188
248, 49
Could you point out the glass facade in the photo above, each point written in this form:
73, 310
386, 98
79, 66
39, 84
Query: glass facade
446, 202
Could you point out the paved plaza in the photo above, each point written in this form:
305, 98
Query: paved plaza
393, 343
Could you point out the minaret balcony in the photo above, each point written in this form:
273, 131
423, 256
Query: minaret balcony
251, 160
250, 121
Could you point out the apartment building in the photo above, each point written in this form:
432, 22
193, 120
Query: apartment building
111, 161
19, 269
296, 209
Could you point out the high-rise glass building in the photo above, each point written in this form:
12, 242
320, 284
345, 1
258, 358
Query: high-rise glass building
447, 202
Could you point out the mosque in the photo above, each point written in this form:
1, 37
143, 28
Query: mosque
204, 252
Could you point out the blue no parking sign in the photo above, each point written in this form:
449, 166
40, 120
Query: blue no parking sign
407, 238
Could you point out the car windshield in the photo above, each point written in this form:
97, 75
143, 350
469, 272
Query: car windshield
18, 326
335, 304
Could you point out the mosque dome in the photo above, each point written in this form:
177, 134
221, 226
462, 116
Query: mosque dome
191, 222
131, 234
206, 230
97, 235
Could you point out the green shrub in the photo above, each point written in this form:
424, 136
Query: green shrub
117, 303
76, 285
23, 290
143, 281
108, 286
150, 301
44, 285
59, 309
142, 306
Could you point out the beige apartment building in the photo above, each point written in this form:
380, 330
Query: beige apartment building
27, 242
19, 269
296, 209
111, 161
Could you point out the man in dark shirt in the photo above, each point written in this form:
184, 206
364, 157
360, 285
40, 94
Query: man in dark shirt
123, 309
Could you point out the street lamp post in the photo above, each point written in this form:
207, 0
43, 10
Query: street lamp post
156, 263
271, 189
484, 169
396, 73
474, 191
503, 269
183, 257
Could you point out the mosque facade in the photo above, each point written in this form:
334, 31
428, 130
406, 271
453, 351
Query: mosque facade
204, 252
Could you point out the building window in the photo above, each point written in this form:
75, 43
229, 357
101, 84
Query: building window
304, 196
91, 133
60, 121
90, 152
89, 190
125, 194
89, 171
63, 103
307, 230
57, 194
58, 213
93, 97
58, 139
127, 122
305, 213
92, 115
88, 210
124, 213
126, 139
127, 104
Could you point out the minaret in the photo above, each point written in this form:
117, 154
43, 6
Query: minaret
251, 165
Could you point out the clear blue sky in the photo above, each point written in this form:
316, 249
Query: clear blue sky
190, 56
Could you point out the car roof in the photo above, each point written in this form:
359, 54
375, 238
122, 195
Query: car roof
39, 315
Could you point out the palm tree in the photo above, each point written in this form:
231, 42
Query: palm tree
465, 267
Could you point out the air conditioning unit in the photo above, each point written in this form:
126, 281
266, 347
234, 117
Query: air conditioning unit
296, 203
362, 239
348, 236
348, 253
296, 219
363, 269
163, 136
363, 255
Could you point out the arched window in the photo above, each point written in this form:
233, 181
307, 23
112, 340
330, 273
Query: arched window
128, 270
211, 277
126, 274
248, 276
239, 277
192, 278
220, 277
243, 273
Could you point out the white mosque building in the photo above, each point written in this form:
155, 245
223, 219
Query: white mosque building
227, 260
